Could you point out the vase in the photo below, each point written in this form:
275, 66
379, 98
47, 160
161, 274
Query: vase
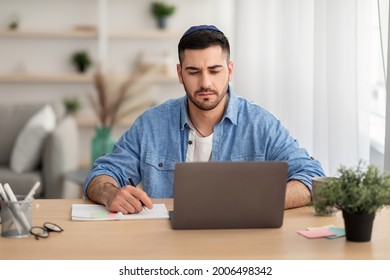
81, 68
102, 143
358, 227
162, 22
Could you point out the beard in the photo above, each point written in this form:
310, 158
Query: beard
205, 103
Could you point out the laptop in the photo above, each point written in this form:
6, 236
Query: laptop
228, 195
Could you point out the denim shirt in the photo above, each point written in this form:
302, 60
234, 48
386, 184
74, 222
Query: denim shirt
158, 139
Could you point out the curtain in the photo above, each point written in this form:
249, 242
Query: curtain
307, 61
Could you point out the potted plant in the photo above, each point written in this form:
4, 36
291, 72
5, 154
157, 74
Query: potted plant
359, 192
81, 60
13, 25
161, 11
14, 22
72, 104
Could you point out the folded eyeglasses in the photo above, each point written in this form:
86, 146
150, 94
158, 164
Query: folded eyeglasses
44, 231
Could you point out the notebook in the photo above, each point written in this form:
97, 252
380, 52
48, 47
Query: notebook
94, 212
216, 195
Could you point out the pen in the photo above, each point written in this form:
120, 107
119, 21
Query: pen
132, 183
32, 191
2, 193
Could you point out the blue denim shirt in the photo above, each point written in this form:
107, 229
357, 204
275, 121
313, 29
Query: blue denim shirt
158, 139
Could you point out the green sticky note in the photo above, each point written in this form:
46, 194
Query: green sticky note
339, 232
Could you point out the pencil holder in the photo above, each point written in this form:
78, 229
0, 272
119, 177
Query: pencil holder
16, 218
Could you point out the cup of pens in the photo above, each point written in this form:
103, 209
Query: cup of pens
16, 212
16, 217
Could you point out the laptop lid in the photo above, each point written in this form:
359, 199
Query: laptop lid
211, 195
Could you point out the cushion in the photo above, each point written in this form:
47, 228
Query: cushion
26, 153
13, 117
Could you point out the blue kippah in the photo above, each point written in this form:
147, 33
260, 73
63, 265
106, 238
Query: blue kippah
200, 27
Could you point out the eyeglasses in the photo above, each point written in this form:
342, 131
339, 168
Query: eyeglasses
43, 232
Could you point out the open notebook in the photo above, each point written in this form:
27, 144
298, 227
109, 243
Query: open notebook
95, 212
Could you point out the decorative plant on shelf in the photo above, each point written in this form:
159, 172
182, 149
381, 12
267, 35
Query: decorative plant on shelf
81, 60
118, 99
14, 22
14, 25
72, 104
359, 192
161, 11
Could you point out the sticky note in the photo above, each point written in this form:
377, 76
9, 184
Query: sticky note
316, 233
314, 228
339, 232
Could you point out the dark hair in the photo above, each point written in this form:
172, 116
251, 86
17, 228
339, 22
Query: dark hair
203, 39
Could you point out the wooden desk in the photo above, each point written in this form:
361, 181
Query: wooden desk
154, 239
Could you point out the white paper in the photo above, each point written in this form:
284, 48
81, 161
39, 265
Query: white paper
95, 212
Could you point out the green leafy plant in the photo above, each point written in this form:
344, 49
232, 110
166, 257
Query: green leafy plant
81, 60
357, 190
13, 25
161, 9
14, 22
72, 104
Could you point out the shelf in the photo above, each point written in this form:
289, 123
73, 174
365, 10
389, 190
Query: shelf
46, 78
92, 34
65, 78
144, 34
48, 34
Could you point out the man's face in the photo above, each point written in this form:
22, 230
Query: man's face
205, 75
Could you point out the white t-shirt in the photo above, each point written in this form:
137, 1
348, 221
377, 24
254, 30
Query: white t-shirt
199, 148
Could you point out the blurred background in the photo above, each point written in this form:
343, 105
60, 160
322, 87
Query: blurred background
318, 65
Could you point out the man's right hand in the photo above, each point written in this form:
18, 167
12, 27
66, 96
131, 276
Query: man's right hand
128, 200
103, 189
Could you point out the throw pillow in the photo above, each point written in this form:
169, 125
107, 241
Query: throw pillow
26, 153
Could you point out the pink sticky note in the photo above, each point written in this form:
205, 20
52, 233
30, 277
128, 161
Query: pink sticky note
316, 233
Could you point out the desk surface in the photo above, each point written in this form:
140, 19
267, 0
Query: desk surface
154, 239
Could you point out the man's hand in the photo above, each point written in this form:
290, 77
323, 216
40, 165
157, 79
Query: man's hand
128, 200
104, 190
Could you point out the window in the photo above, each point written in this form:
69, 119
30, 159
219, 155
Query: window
379, 27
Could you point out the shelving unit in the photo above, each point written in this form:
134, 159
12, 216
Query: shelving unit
35, 58
77, 34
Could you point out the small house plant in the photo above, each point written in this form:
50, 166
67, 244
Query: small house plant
72, 104
14, 25
14, 22
359, 192
81, 60
161, 11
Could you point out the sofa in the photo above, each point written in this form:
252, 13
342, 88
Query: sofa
38, 142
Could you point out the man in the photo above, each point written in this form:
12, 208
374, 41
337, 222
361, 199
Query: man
210, 123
